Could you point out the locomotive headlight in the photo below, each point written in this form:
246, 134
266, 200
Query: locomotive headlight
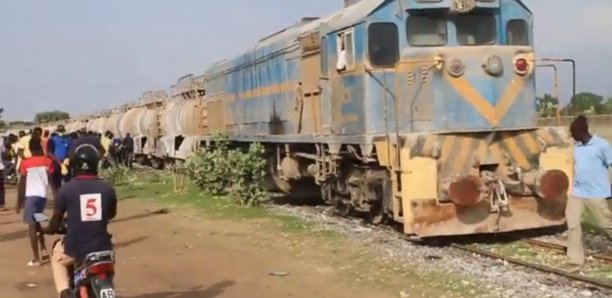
521, 66
493, 65
456, 67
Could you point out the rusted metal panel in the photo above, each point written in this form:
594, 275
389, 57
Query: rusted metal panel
215, 110
433, 219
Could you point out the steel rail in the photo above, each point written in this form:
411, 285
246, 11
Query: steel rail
562, 248
539, 267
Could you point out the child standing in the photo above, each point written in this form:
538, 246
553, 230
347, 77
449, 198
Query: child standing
33, 190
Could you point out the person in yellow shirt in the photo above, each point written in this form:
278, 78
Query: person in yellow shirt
105, 141
23, 148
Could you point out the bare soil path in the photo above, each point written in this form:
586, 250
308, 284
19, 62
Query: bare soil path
182, 255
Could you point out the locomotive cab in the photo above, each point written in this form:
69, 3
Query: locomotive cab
453, 96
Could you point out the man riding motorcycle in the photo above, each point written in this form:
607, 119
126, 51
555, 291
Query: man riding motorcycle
88, 204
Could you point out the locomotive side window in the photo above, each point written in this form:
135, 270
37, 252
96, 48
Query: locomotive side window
426, 31
517, 33
346, 52
383, 44
476, 29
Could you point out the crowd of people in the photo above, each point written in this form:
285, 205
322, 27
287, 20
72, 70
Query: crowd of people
57, 145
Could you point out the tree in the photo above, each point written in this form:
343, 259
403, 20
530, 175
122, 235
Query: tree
607, 106
547, 105
585, 103
51, 116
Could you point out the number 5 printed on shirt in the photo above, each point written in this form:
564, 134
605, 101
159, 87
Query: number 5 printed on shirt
91, 207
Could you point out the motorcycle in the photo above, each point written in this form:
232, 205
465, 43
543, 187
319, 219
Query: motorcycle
94, 277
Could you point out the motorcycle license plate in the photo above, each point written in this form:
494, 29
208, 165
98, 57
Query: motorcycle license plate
107, 293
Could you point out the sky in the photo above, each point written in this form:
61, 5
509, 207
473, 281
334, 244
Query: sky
81, 56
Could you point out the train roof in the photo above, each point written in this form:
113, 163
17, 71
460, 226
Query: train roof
343, 18
338, 20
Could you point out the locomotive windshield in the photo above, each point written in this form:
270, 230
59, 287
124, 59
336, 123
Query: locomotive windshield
517, 33
430, 30
476, 29
426, 30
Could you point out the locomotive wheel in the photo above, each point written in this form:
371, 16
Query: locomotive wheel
379, 185
340, 197
341, 209
377, 215
299, 191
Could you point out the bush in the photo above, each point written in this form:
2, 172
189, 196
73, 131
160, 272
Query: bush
237, 173
118, 176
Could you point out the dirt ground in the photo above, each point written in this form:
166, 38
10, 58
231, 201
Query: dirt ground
178, 255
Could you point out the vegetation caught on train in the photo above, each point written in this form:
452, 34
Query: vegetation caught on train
238, 173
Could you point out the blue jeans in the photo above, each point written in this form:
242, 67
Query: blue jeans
33, 205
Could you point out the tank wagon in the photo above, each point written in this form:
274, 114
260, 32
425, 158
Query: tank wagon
420, 112
182, 120
145, 126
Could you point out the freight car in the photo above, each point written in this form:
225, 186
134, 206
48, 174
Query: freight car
420, 112
182, 120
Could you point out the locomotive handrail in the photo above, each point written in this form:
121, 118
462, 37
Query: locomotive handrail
567, 60
556, 90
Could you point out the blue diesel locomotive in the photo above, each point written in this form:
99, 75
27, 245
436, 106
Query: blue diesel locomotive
420, 112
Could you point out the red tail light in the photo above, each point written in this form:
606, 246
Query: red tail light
521, 66
101, 268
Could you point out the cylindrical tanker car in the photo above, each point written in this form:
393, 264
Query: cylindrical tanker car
180, 120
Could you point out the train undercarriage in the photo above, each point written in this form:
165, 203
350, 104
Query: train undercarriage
490, 196
428, 192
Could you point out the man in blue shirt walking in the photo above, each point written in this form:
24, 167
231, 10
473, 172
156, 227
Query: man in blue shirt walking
592, 161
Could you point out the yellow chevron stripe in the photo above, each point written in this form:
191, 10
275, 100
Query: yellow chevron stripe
493, 114
462, 157
515, 151
498, 154
445, 150
428, 146
529, 138
544, 133
471, 95
482, 149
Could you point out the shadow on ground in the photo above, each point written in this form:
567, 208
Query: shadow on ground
198, 292
13, 236
143, 215
130, 242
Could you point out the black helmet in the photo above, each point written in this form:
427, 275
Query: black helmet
86, 159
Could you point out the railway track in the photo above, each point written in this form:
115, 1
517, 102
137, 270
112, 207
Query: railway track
562, 248
539, 267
